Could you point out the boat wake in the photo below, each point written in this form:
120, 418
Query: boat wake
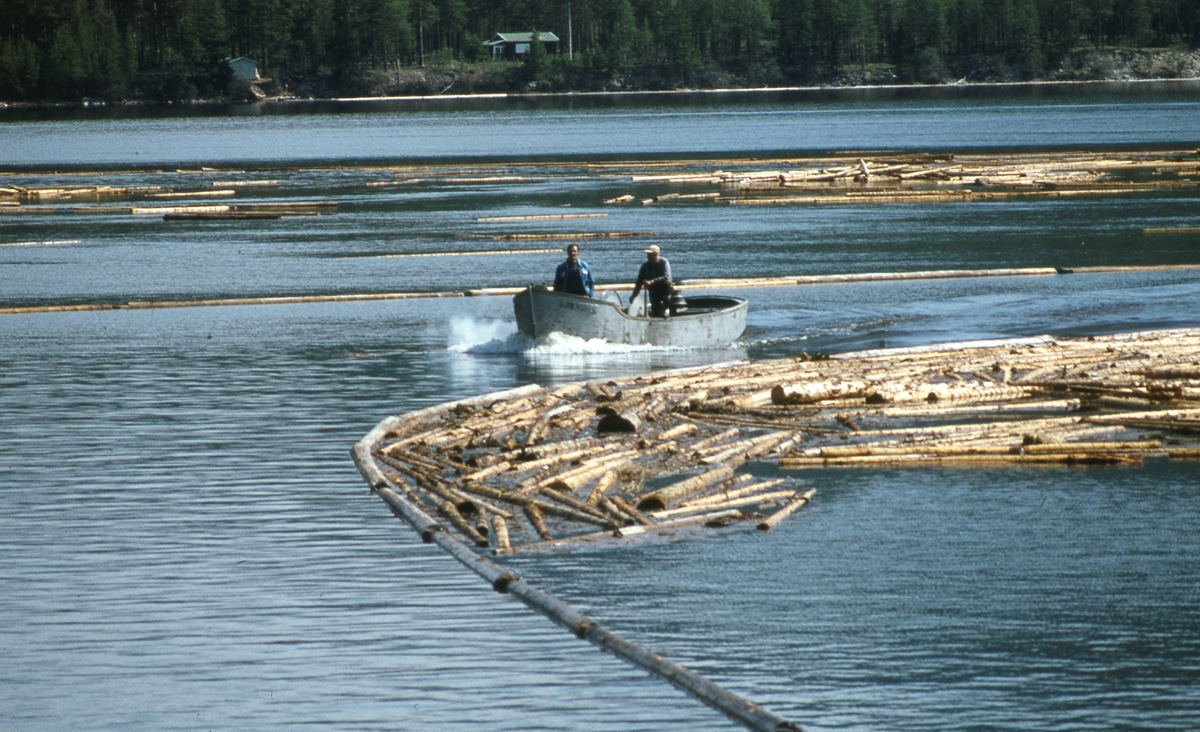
498, 337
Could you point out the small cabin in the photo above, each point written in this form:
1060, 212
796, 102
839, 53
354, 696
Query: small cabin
516, 45
245, 69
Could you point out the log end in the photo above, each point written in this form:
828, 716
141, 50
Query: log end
651, 503
501, 583
617, 423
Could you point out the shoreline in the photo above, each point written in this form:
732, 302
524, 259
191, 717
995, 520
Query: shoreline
960, 85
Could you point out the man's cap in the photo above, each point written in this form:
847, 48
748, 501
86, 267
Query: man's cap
652, 248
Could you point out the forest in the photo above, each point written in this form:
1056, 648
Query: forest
162, 50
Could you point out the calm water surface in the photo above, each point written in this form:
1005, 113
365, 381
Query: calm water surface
185, 544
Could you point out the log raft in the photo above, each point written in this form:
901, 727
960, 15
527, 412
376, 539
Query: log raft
694, 456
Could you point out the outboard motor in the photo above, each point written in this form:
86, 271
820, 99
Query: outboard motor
678, 303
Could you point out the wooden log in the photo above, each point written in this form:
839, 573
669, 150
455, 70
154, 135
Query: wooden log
586, 473
759, 487
409, 512
619, 517
488, 472
569, 500
745, 450
630, 511
482, 505
769, 523
403, 454
562, 459
627, 421
728, 503
541, 217
163, 210
660, 498
547, 507
1092, 447
815, 392
534, 514
729, 434
434, 486
539, 427
396, 481
562, 450
918, 459
678, 431
600, 392
229, 215
606, 481
853, 451
500, 529
448, 510
245, 184
221, 193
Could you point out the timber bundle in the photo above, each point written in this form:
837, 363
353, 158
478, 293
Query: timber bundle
538, 469
918, 178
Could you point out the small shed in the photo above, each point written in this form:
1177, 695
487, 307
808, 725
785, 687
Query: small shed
245, 69
516, 45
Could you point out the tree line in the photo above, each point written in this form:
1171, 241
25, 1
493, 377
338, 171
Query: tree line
178, 49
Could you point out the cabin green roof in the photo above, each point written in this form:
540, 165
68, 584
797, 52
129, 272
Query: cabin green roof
543, 36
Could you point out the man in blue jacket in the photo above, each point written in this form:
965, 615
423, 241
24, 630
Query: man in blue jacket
573, 275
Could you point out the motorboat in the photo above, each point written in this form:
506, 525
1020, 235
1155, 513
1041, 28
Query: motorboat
694, 321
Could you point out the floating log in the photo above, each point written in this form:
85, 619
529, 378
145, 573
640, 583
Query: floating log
626, 421
799, 501
541, 217
745, 450
449, 510
220, 193
566, 499
725, 503
163, 210
660, 498
193, 216
1172, 230
500, 529
1003, 385
726, 495
534, 514
630, 511
245, 184
920, 459
589, 471
606, 481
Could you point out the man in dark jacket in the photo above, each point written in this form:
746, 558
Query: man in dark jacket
573, 275
655, 277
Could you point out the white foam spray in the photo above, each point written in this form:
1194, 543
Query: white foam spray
469, 335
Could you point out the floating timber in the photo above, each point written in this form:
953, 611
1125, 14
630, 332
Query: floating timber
601, 462
788, 281
918, 178
216, 215
539, 463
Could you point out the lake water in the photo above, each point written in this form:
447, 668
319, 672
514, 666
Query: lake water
185, 543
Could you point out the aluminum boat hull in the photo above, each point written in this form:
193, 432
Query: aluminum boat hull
704, 322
